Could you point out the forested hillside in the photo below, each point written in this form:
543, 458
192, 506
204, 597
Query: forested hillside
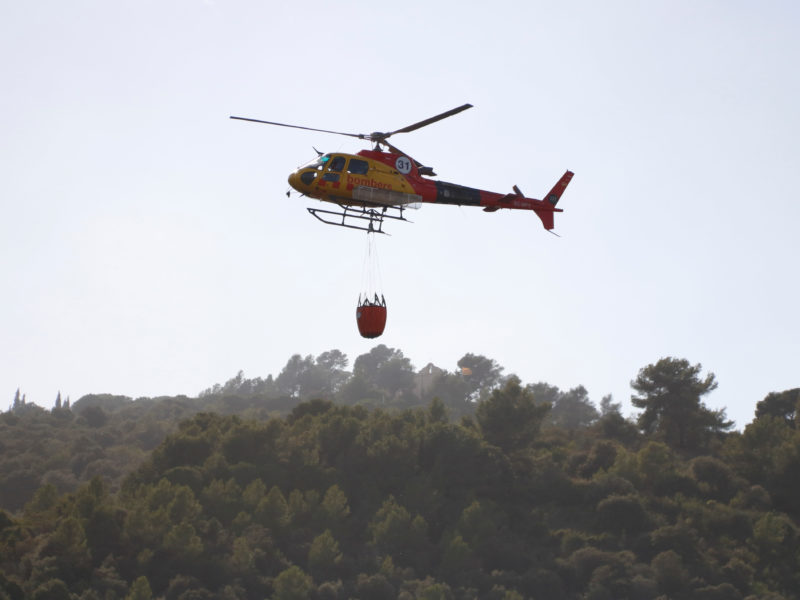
491, 489
107, 435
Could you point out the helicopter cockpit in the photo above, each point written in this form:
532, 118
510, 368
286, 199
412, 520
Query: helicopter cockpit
308, 172
329, 167
318, 163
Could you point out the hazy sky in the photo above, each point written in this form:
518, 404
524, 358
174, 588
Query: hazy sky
147, 246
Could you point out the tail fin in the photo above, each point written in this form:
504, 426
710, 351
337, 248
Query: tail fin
546, 208
555, 194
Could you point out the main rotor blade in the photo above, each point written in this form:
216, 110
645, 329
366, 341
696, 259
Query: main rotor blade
355, 135
444, 115
376, 136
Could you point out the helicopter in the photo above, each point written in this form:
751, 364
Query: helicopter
377, 184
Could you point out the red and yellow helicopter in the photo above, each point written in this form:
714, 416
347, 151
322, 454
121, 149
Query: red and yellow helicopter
374, 185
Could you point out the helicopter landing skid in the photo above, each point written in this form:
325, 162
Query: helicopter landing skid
362, 218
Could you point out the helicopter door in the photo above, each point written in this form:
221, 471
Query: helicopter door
334, 172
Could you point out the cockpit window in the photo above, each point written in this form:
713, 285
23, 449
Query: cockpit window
337, 164
318, 163
358, 167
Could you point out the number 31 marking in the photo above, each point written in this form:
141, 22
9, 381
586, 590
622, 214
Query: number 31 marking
403, 165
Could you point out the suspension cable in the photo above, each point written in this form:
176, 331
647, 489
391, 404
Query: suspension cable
371, 280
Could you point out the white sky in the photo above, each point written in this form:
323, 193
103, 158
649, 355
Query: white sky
147, 246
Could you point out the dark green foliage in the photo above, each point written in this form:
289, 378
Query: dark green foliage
108, 402
293, 584
669, 572
140, 590
108, 435
717, 479
511, 418
669, 393
573, 409
600, 458
723, 591
375, 587
784, 405
95, 416
767, 453
55, 589
386, 373
622, 514
480, 374
324, 499
613, 426
18, 486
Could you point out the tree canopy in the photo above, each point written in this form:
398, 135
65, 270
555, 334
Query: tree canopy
254, 491
669, 392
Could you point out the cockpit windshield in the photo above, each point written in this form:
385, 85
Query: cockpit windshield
318, 163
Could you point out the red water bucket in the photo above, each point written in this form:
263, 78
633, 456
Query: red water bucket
371, 319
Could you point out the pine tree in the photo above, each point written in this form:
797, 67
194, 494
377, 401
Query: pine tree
669, 394
140, 590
